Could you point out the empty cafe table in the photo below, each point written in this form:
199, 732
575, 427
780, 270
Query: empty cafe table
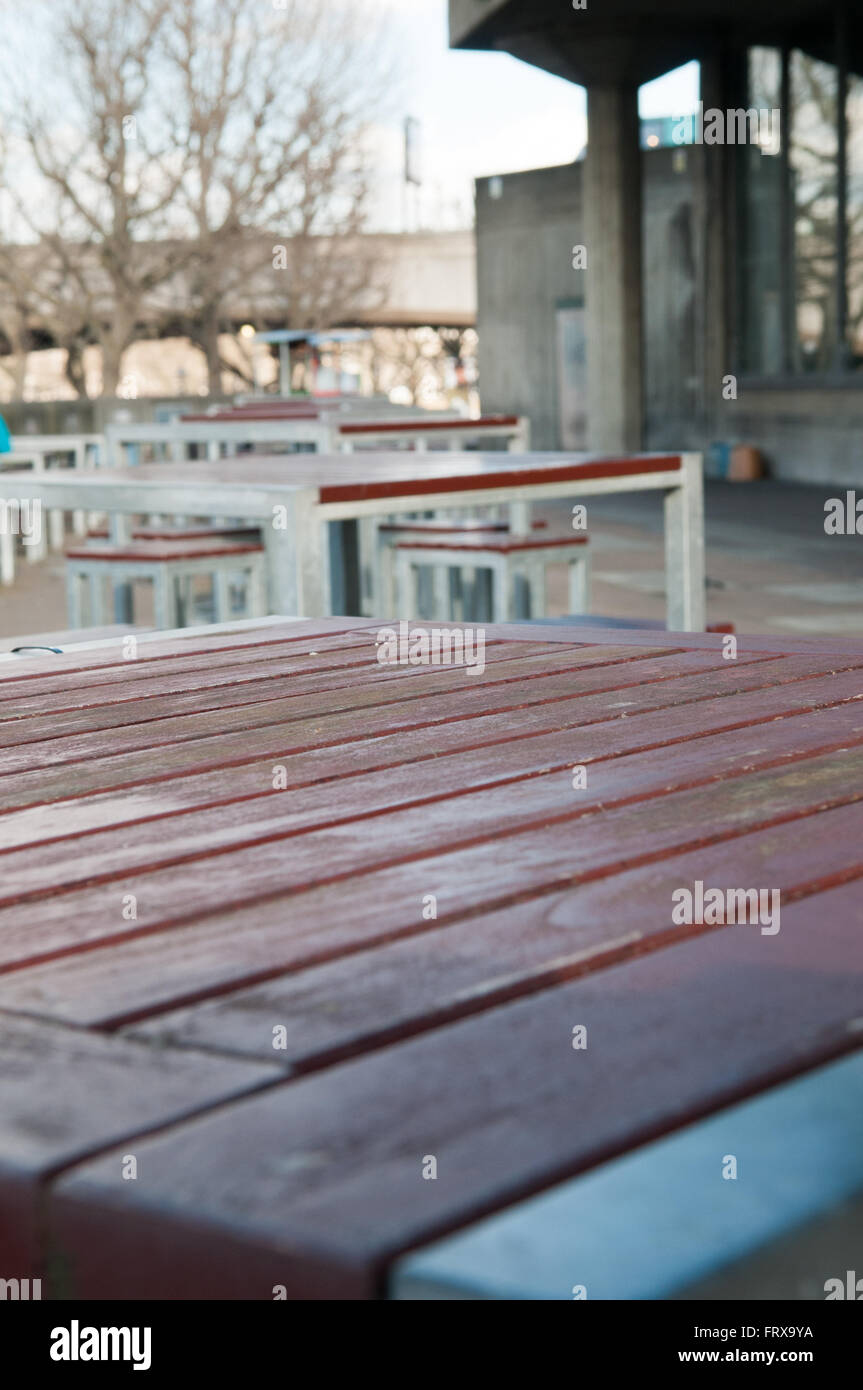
310, 961
298, 494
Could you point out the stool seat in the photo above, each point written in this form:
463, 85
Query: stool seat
172, 566
388, 534
177, 533
440, 528
162, 550
498, 543
516, 561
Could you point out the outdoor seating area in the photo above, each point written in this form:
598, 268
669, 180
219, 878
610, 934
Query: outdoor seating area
311, 510
307, 430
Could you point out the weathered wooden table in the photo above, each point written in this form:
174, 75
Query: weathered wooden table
296, 948
302, 493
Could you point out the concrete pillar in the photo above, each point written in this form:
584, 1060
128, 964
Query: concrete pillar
612, 220
714, 193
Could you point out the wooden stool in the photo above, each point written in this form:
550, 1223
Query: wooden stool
388, 534
170, 566
507, 556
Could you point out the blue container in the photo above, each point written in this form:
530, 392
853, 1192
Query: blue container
718, 461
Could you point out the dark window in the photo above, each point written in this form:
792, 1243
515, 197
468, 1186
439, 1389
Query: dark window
801, 215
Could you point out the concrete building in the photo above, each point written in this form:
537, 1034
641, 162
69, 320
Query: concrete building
719, 296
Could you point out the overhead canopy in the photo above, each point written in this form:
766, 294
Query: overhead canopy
634, 41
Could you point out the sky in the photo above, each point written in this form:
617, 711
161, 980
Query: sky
481, 113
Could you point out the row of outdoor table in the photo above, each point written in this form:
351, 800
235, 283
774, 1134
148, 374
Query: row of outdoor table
293, 498
342, 425
34, 453
312, 429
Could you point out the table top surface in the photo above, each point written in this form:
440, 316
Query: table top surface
356, 423
371, 473
280, 925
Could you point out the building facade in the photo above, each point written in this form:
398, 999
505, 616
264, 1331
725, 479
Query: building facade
720, 292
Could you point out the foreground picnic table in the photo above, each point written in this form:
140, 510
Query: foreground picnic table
314, 489
294, 945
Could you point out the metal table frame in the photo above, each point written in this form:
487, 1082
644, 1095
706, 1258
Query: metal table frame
299, 579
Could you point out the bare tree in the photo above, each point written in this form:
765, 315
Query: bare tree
184, 142
40, 291
429, 366
274, 104
101, 166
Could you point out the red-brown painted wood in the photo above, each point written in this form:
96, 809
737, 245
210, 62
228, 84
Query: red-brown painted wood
122, 681
371, 998
317, 1184
178, 533
184, 549
405, 1034
67, 1093
407, 693
322, 738
481, 857
505, 544
431, 425
440, 477
537, 777
155, 647
543, 762
298, 672
529, 737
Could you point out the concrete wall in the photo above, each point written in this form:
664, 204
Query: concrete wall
524, 268
525, 238
806, 432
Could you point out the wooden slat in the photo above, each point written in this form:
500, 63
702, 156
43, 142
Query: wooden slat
404, 699
124, 679
215, 747
332, 891
65, 1094
792, 644
297, 674
370, 998
546, 676
483, 746
451, 474
318, 1184
164, 550
431, 425
110, 654
534, 780
303, 908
